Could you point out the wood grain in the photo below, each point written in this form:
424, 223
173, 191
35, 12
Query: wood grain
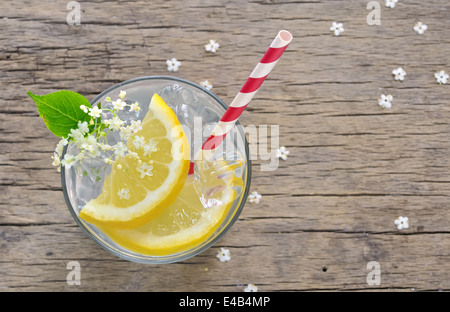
326, 212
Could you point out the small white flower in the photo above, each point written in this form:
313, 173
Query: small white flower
282, 153
135, 107
105, 147
150, 147
337, 28
206, 84
399, 74
83, 126
223, 255
212, 46
441, 77
254, 197
76, 135
60, 146
115, 123
136, 126
79, 156
134, 154
84, 108
122, 94
109, 161
138, 141
119, 104
95, 112
90, 144
56, 161
126, 132
68, 161
385, 101
145, 169
420, 28
124, 193
94, 154
402, 223
173, 64
120, 149
251, 288
391, 3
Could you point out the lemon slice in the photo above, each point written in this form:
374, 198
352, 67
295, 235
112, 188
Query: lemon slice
183, 225
137, 190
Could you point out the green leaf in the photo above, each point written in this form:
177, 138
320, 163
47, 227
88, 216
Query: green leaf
61, 110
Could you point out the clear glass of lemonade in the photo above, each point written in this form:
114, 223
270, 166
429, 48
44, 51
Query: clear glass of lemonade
186, 227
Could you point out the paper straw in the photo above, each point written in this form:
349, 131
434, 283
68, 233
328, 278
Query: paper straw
245, 95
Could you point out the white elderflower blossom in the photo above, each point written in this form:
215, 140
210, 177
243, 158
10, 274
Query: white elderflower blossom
138, 141
385, 101
399, 74
205, 84
145, 169
173, 64
212, 46
136, 126
56, 161
89, 144
120, 149
420, 28
58, 152
441, 77
124, 193
391, 3
282, 153
401, 223
126, 132
337, 28
77, 135
251, 288
60, 146
105, 147
254, 197
223, 255
84, 108
91, 141
135, 107
115, 123
95, 112
83, 126
119, 104
68, 161
150, 147
109, 161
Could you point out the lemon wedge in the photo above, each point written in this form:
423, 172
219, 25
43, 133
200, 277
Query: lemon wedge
138, 190
183, 225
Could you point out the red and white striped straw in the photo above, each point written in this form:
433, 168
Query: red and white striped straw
245, 95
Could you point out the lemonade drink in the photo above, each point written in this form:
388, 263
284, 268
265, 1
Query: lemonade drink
150, 210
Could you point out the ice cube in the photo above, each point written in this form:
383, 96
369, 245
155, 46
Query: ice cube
198, 119
212, 177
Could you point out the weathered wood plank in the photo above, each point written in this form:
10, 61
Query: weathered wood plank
326, 211
284, 261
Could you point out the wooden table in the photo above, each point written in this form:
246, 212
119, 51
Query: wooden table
325, 213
